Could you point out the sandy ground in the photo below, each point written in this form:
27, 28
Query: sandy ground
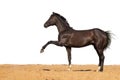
58, 72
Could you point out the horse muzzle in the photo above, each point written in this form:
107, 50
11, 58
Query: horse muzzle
45, 25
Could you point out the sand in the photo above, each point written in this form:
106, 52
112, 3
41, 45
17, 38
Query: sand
58, 72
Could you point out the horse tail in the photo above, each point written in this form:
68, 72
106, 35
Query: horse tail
108, 35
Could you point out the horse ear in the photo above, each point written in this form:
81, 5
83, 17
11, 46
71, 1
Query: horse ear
53, 12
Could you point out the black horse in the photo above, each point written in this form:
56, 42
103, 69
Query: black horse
68, 37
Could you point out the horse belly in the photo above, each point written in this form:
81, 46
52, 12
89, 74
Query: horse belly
80, 40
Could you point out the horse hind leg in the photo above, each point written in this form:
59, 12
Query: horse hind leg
101, 58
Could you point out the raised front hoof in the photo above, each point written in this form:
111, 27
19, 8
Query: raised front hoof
42, 50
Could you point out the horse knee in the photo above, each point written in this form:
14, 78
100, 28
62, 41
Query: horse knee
102, 57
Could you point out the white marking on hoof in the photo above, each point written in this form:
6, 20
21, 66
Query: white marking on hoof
69, 69
98, 69
70, 66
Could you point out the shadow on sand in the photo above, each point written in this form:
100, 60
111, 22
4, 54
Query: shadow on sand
87, 70
46, 69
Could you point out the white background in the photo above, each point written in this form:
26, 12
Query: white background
22, 33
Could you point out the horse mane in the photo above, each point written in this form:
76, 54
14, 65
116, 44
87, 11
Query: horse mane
64, 19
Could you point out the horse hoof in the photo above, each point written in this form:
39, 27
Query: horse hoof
41, 51
99, 69
69, 69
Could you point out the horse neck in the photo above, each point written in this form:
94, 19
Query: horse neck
61, 26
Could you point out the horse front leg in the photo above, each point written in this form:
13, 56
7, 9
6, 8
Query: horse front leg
69, 56
50, 42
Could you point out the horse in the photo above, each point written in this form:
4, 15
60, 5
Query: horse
69, 37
